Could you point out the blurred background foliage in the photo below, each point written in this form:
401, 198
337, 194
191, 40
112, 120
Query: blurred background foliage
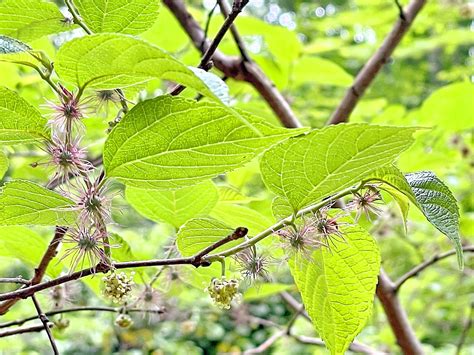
311, 50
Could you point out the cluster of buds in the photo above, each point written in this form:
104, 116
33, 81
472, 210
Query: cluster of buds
118, 286
223, 291
123, 321
61, 323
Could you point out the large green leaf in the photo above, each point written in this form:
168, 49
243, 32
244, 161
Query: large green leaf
169, 142
28, 20
19, 121
26, 203
308, 168
438, 205
124, 16
26, 245
338, 286
199, 233
124, 61
173, 206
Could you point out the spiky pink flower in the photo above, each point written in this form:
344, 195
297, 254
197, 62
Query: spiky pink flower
252, 265
68, 113
68, 159
328, 227
88, 245
366, 203
93, 201
302, 239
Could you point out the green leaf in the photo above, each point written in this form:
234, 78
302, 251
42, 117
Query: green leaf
170, 142
199, 233
308, 168
4, 163
281, 208
124, 61
28, 20
173, 206
26, 245
438, 205
14, 51
124, 16
26, 203
229, 194
338, 287
261, 292
120, 250
19, 121
241, 216
320, 71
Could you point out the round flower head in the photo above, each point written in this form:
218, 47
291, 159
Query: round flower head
366, 203
303, 239
223, 291
252, 265
88, 244
68, 113
61, 323
328, 228
93, 200
68, 159
118, 286
102, 99
123, 321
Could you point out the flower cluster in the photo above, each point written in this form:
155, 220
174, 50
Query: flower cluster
223, 291
118, 286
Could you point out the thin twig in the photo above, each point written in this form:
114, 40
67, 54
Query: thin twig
75, 16
81, 309
34, 328
419, 268
375, 63
203, 64
42, 317
208, 23
14, 280
233, 30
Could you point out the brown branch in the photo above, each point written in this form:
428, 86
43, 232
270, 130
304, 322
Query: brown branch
196, 260
397, 316
46, 325
465, 331
14, 280
34, 328
372, 67
81, 309
40, 271
234, 67
419, 268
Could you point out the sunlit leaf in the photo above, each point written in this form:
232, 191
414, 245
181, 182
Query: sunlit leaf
123, 16
338, 287
26, 203
308, 168
170, 142
173, 206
